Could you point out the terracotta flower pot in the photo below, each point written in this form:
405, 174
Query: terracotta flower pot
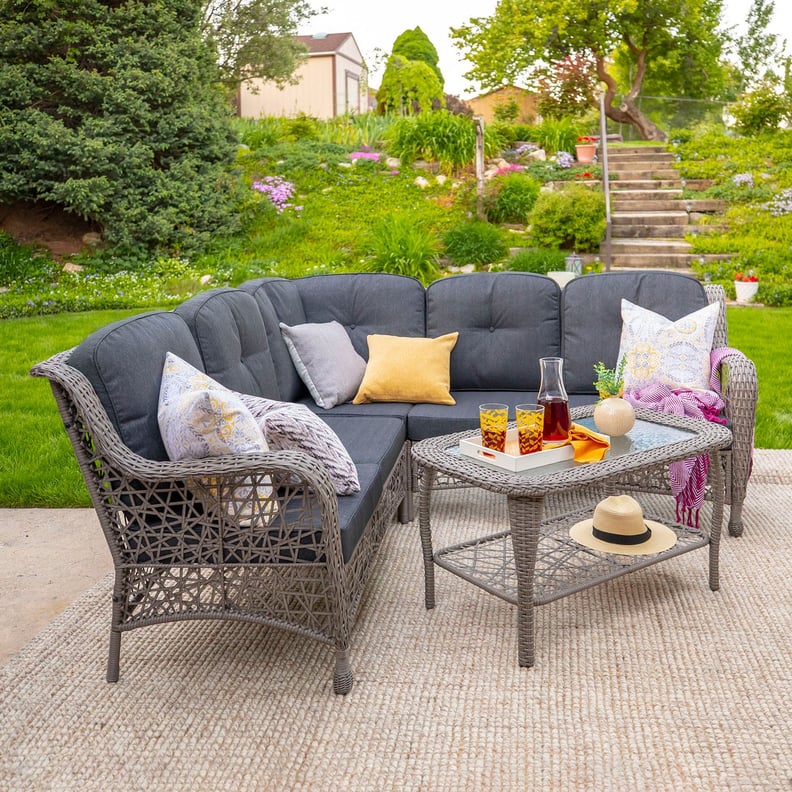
614, 416
585, 152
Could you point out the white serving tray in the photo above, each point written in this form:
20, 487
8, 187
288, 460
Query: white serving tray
511, 459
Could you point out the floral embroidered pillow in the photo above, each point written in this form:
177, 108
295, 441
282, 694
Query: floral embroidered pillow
198, 417
672, 353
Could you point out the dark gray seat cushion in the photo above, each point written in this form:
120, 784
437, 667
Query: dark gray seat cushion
591, 320
370, 440
231, 337
365, 303
279, 301
123, 361
506, 322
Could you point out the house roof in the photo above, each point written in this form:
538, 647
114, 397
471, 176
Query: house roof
324, 43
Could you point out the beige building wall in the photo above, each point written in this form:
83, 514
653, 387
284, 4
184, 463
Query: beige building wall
485, 105
327, 85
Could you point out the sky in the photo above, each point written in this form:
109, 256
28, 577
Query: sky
376, 26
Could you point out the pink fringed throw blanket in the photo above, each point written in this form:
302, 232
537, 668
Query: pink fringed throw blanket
688, 477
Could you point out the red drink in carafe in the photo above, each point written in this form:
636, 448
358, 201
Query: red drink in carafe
556, 420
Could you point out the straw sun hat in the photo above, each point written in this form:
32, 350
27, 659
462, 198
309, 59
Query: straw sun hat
618, 526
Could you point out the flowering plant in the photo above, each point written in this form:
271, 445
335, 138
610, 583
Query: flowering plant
749, 276
279, 191
587, 139
610, 382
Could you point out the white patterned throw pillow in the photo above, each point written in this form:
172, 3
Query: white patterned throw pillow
293, 427
659, 350
198, 417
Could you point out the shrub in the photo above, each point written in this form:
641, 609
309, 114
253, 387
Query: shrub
540, 260
134, 136
441, 137
400, 245
23, 263
761, 109
572, 218
510, 198
475, 243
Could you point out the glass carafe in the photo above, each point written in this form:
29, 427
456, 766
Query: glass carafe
553, 396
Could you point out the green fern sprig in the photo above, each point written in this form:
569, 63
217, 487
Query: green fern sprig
610, 382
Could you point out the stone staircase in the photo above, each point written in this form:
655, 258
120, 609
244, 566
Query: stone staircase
649, 216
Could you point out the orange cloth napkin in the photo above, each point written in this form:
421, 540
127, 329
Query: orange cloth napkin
589, 446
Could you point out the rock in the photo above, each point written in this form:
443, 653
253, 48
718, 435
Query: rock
204, 279
92, 239
421, 182
392, 162
441, 178
69, 267
538, 155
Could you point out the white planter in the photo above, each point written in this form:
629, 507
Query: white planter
745, 290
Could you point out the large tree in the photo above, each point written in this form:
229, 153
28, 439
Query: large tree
111, 110
524, 36
255, 38
757, 50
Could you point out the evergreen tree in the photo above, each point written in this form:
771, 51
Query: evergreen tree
412, 81
414, 45
110, 110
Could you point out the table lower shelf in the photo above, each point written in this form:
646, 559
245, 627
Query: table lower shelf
563, 566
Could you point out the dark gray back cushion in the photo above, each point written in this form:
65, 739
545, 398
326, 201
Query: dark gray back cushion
279, 301
365, 303
232, 340
123, 361
591, 315
506, 322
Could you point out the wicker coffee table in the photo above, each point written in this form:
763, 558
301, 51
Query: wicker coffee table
534, 561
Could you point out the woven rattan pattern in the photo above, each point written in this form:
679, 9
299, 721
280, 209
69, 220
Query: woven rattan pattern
180, 555
547, 565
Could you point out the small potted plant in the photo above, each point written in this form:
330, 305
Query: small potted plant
613, 415
586, 148
746, 284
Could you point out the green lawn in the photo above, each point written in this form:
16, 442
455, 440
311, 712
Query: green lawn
37, 466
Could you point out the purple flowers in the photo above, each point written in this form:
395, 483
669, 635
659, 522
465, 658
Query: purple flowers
781, 204
564, 159
278, 190
740, 179
364, 155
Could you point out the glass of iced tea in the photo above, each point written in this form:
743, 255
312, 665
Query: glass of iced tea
494, 419
530, 426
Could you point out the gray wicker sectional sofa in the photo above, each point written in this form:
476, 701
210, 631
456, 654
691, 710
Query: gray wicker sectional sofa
180, 554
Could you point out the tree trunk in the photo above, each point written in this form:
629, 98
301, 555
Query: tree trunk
629, 112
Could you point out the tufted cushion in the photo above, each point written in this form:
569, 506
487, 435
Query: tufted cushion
591, 316
232, 339
123, 361
506, 322
365, 303
279, 301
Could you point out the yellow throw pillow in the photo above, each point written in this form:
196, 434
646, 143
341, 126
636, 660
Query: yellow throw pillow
403, 369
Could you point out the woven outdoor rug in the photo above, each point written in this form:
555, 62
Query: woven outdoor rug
649, 682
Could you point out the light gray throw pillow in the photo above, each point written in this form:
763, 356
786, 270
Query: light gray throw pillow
326, 361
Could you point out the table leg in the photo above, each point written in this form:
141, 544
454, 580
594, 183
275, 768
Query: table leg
717, 488
427, 477
525, 518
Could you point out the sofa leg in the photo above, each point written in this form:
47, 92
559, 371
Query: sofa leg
735, 519
406, 510
113, 656
342, 678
